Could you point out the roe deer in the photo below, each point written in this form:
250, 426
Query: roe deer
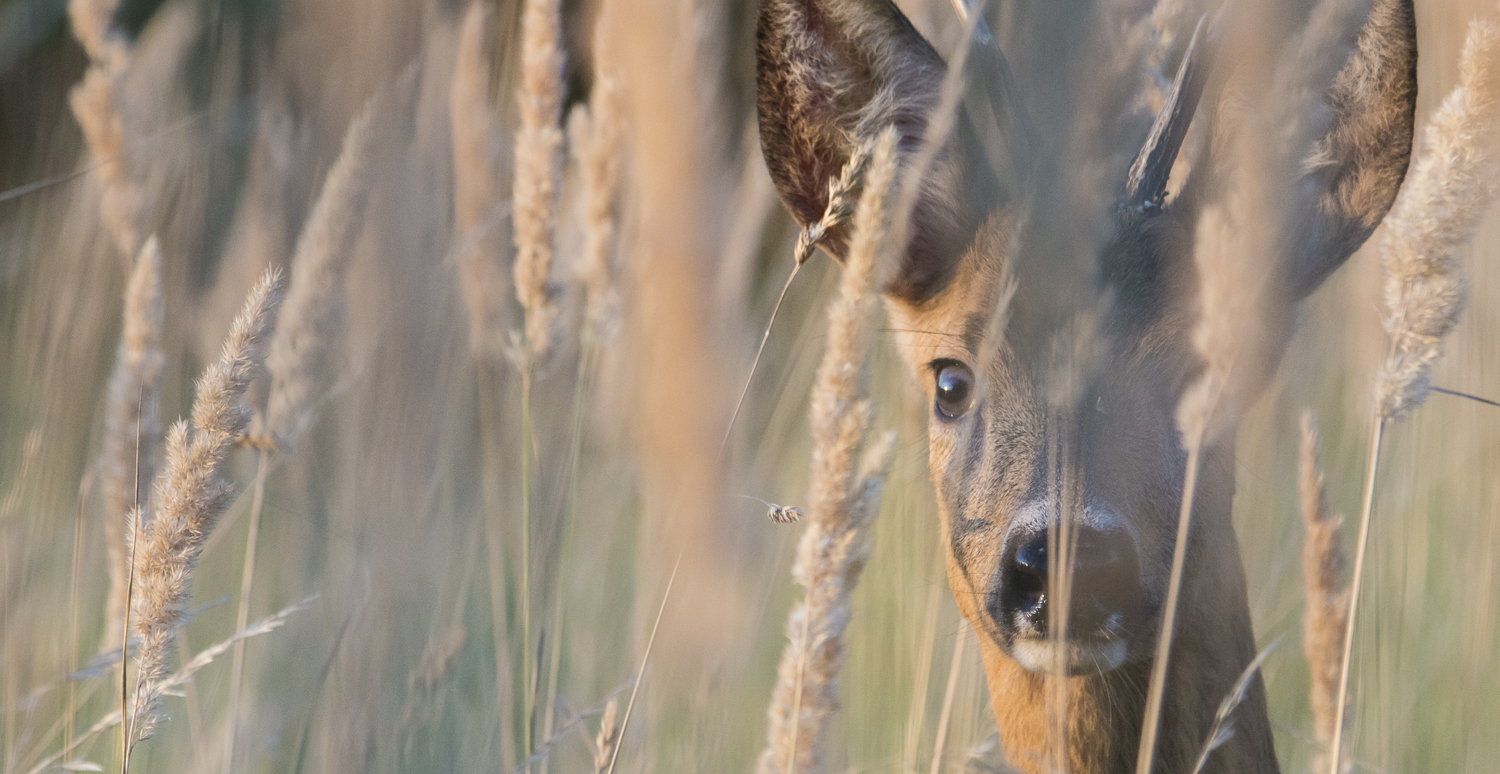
1014, 466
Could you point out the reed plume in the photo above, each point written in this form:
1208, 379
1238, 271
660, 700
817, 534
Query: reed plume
132, 426
480, 212
1448, 190
607, 739
595, 135
190, 497
1449, 186
1233, 340
1326, 600
843, 496
538, 168
97, 104
840, 208
313, 317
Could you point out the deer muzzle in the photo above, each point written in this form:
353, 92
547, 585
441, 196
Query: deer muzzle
1068, 600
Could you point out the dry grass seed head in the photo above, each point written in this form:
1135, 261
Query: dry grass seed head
595, 133
480, 209
314, 312
538, 168
1434, 217
190, 496
608, 737
843, 493
132, 429
1326, 600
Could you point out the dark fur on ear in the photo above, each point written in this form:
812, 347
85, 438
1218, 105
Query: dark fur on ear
831, 71
1357, 167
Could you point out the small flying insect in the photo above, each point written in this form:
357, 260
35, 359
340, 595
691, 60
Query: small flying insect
778, 514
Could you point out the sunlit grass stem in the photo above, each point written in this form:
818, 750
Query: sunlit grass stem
1157, 687
1366, 510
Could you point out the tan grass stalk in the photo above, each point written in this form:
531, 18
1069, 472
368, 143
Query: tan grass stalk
190, 497
1326, 601
640, 674
538, 168
313, 317
1223, 728
1234, 336
840, 208
595, 133
132, 427
92, 22
607, 739
479, 208
175, 681
311, 320
843, 496
1450, 184
97, 103
945, 716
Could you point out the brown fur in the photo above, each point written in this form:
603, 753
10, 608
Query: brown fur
830, 70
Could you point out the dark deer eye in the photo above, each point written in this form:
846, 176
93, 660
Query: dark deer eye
955, 390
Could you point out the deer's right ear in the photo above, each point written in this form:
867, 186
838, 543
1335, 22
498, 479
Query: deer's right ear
831, 71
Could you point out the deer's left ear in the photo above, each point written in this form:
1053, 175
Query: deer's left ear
1357, 167
829, 72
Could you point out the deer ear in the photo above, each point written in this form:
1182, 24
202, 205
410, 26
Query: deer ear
1357, 167
829, 72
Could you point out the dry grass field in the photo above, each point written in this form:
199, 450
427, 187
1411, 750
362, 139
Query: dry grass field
523, 276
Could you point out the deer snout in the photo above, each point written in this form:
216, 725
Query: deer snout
1101, 589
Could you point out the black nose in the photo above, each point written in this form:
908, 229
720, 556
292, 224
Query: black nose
1105, 584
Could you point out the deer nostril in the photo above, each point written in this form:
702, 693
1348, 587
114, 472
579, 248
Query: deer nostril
1022, 597
1104, 585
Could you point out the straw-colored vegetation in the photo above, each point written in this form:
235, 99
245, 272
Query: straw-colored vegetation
429, 519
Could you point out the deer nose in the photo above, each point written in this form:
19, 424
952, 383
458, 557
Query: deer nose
1104, 584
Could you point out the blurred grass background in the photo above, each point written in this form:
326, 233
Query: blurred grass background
401, 508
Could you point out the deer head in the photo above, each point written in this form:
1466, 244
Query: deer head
1059, 476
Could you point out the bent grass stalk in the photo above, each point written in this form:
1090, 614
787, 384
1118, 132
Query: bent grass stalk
843, 493
1157, 687
840, 208
645, 659
1433, 219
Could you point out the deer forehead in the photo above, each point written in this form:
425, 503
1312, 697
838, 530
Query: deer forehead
951, 323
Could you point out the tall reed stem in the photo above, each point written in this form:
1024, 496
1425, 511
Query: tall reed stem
575, 455
1147, 752
496, 555
1365, 511
242, 618
527, 665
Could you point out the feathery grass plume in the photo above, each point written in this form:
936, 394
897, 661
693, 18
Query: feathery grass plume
1450, 185
841, 202
1235, 334
607, 739
595, 132
314, 310
132, 427
841, 192
1326, 600
479, 209
538, 167
1223, 727
1432, 220
96, 102
92, 22
174, 681
843, 496
190, 496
